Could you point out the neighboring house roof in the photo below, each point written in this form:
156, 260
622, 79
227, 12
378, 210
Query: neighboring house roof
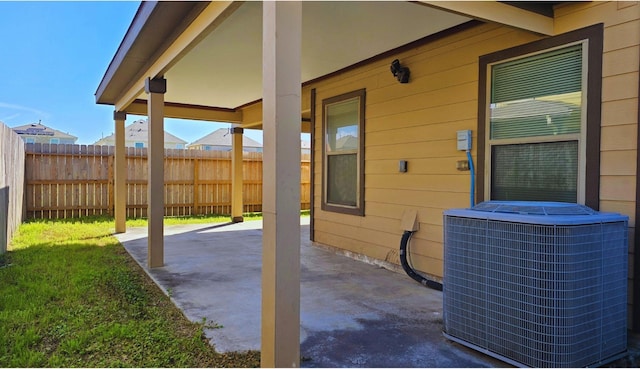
222, 137
39, 129
138, 131
531, 108
347, 142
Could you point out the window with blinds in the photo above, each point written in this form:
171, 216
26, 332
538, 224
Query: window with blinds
343, 157
535, 123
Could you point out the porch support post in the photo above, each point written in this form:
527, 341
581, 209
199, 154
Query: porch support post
236, 175
120, 174
281, 110
155, 88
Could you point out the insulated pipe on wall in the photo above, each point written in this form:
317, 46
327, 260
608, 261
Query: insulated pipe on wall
472, 173
404, 244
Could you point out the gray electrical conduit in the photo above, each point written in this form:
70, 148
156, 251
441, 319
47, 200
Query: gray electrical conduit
404, 244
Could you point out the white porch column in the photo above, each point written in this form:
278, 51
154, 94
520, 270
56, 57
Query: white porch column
155, 88
120, 175
281, 83
236, 175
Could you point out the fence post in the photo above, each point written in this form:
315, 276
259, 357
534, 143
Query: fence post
119, 175
236, 175
88, 184
196, 186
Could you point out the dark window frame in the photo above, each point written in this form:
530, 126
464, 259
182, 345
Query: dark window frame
326, 206
594, 37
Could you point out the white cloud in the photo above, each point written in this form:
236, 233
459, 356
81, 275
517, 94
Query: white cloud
37, 112
9, 117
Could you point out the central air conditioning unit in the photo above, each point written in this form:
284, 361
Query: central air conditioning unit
537, 284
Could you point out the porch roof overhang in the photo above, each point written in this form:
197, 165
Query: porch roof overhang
211, 52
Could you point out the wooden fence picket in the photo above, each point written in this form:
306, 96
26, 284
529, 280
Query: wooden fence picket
64, 181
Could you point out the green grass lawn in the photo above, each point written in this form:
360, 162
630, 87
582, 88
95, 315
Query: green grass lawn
71, 296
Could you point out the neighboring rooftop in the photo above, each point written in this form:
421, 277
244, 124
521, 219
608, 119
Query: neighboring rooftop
41, 133
138, 131
222, 138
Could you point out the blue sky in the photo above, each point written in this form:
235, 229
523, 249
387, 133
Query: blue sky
52, 58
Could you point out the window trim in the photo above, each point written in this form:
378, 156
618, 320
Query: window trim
345, 209
579, 137
593, 38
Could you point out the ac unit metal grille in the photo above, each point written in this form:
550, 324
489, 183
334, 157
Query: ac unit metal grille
537, 295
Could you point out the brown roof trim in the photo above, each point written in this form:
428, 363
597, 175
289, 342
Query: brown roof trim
312, 172
193, 106
539, 7
248, 104
425, 40
636, 240
154, 27
189, 106
139, 19
189, 111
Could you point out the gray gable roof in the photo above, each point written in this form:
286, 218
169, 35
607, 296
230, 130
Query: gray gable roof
38, 129
139, 131
222, 137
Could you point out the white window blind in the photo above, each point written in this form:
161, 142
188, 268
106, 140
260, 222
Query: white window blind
535, 124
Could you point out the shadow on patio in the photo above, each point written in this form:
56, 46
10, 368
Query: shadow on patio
352, 314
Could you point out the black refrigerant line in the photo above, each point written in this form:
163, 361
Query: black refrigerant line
404, 244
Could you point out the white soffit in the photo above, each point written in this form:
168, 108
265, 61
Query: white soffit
225, 68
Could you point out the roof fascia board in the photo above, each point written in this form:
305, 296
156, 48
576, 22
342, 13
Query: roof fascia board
496, 12
141, 17
210, 18
192, 112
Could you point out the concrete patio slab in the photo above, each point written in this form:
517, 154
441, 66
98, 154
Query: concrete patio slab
353, 314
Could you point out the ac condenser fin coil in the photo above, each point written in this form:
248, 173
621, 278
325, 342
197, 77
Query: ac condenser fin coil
537, 284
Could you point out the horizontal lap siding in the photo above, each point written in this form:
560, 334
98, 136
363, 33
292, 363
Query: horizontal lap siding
619, 134
418, 121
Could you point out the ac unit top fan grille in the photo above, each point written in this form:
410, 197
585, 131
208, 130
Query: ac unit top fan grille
534, 208
532, 212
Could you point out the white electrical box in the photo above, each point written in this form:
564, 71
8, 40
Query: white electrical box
464, 140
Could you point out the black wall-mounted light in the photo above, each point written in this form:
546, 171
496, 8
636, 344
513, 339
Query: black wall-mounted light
401, 73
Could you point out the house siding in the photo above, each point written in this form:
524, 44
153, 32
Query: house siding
619, 125
418, 121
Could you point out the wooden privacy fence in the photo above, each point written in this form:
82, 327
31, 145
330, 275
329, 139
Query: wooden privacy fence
64, 181
12, 207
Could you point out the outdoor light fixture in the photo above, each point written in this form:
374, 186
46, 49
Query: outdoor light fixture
401, 73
